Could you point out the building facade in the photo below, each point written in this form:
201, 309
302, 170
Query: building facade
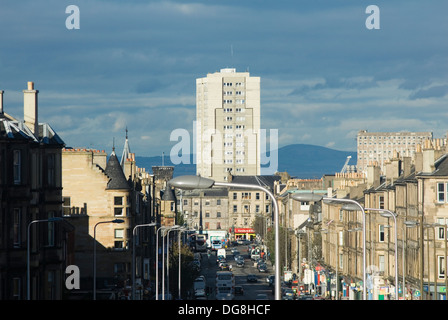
105, 206
228, 124
32, 233
381, 146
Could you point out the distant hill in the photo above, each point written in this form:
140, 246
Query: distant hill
299, 160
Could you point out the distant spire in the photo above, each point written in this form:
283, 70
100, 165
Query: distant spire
113, 145
126, 150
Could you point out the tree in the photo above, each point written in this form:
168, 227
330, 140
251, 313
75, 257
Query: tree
188, 270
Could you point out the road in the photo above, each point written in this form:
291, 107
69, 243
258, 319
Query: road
251, 289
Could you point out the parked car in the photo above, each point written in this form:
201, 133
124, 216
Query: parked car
270, 279
252, 278
239, 290
288, 294
240, 263
225, 267
262, 267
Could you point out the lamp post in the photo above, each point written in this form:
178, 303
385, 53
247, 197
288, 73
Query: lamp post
28, 253
336, 259
163, 262
94, 251
133, 253
157, 261
387, 214
317, 197
182, 229
168, 259
299, 264
196, 182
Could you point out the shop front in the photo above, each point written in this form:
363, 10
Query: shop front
244, 234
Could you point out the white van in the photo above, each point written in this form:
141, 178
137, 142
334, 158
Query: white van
225, 293
225, 279
221, 252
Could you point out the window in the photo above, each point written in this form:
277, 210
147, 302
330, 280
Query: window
118, 201
235, 208
51, 230
218, 214
257, 196
381, 263
16, 285
441, 230
118, 244
235, 196
66, 206
119, 233
17, 166
441, 267
119, 267
218, 202
381, 233
51, 170
304, 205
441, 191
16, 227
267, 208
118, 211
246, 195
381, 202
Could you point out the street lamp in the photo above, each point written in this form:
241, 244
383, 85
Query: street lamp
388, 214
133, 253
28, 271
197, 182
163, 261
182, 229
176, 227
94, 251
336, 259
328, 200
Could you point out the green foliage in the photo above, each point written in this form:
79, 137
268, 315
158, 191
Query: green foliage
188, 271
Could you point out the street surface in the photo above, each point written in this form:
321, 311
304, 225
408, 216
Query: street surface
209, 267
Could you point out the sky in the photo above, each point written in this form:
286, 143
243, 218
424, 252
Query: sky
328, 68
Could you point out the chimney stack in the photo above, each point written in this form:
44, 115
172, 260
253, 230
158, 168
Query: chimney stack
30, 108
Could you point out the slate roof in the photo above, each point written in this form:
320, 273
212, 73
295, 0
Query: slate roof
214, 192
13, 129
114, 171
441, 167
168, 194
264, 181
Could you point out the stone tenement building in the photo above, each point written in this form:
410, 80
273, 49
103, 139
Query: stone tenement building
96, 193
30, 197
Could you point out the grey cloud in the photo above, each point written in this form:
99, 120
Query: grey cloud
432, 92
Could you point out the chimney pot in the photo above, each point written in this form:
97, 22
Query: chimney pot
30, 85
